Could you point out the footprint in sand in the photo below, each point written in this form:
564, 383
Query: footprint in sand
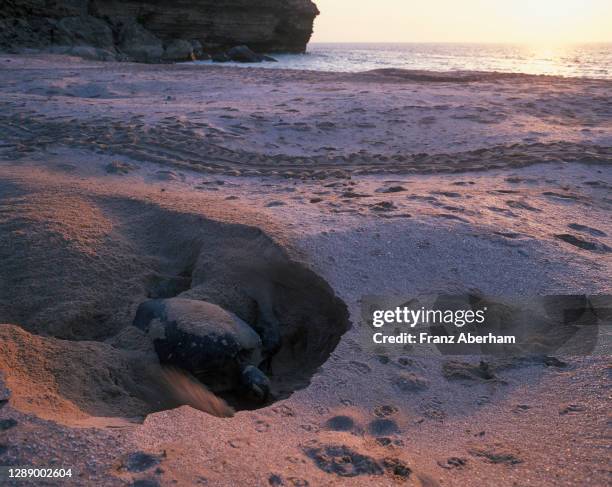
598, 184
321, 410
298, 482
383, 206
384, 441
463, 371
385, 410
383, 427
359, 367
406, 362
118, 167
145, 483
140, 461
448, 194
521, 205
261, 426
453, 463
427, 120
275, 203
563, 196
503, 211
283, 410
325, 125
409, 382
571, 408
504, 191
239, 443
592, 246
511, 235
518, 180
341, 423
342, 461
276, 481
390, 189
451, 217
352, 194
429, 199
585, 229
521, 408
457, 209
167, 176
397, 468
497, 454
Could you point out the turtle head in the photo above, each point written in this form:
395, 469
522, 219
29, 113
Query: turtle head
256, 383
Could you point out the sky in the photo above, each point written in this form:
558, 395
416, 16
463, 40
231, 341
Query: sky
524, 21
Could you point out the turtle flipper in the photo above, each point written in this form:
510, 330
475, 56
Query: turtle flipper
256, 383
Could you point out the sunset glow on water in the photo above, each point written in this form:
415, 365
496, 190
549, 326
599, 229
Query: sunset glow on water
578, 60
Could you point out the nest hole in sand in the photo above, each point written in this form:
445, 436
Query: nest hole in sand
75, 353
242, 318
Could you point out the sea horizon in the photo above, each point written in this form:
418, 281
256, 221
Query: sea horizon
526, 43
583, 60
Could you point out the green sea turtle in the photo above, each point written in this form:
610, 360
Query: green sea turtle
216, 346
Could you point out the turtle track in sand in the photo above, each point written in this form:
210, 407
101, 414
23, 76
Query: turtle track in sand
71, 351
187, 145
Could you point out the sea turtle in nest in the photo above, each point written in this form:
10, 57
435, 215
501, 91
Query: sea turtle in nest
216, 346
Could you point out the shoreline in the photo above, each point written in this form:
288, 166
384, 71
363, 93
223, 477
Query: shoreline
412, 75
388, 74
581, 61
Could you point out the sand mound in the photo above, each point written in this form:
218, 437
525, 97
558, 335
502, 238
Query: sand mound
73, 382
66, 272
65, 380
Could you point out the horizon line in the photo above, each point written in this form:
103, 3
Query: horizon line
461, 42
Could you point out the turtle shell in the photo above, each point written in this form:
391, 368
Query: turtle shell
200, 337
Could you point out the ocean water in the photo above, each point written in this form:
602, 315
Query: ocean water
580, 60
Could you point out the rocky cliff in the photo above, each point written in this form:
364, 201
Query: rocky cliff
143, 29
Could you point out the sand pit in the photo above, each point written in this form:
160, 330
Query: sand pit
131, 251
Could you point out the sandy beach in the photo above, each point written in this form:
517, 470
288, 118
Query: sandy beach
300, 193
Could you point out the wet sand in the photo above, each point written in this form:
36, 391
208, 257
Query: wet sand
385, 183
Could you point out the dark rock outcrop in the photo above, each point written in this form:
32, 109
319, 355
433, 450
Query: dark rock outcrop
263, 25
157, 30
138, 43
179, 50
242, 54
221, 57
84, 31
